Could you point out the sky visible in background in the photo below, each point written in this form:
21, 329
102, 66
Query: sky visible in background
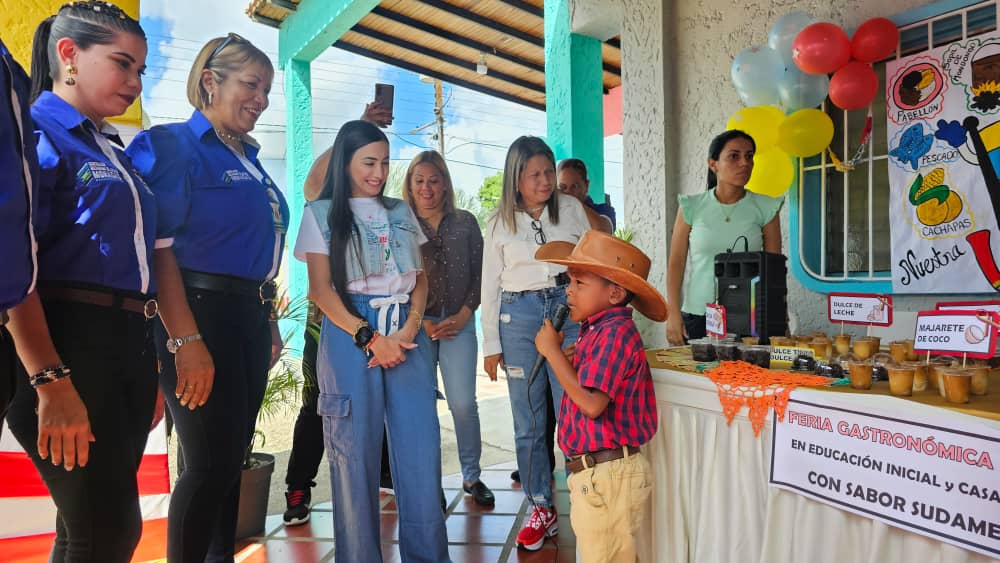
478, 128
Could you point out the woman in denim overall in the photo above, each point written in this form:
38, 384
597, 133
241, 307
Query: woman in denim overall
365, 275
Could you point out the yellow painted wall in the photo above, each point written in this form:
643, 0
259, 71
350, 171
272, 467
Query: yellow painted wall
18, 20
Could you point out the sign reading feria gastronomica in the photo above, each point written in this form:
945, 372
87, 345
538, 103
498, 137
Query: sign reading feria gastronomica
931, 475
944, 167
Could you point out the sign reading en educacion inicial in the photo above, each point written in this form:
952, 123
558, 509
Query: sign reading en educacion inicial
715, 320
971, 333
859, 309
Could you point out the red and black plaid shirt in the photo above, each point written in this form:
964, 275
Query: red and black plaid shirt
610, 358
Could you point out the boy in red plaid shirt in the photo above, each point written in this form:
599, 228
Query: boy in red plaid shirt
608, 408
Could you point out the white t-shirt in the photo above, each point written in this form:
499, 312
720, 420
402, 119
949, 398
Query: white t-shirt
370, 211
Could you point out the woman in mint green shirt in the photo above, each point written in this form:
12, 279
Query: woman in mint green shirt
709, 223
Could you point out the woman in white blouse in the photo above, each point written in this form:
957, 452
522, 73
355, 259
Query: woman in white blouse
518, 294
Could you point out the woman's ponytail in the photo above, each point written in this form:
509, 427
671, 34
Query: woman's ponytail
41, 70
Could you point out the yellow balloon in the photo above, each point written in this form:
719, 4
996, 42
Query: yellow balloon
760, 122
772, 173
806, 132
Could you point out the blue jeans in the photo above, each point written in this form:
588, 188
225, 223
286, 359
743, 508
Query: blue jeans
457, 360
356, 403
521, 315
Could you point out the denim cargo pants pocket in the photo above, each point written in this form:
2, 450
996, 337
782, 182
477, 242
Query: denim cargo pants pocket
338, 430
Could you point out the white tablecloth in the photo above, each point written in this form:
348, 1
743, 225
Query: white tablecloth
712, 503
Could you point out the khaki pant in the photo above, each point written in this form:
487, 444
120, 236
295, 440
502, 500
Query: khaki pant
608, 503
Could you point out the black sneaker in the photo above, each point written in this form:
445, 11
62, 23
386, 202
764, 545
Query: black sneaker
297, 501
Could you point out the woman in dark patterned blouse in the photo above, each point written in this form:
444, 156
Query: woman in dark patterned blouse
453, 258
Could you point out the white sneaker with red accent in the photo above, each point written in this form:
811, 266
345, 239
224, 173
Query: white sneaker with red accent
543, 523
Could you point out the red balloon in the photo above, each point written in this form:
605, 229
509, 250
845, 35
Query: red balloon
874, 40
821, 48
854, 86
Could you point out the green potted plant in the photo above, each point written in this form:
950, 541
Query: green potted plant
284, 384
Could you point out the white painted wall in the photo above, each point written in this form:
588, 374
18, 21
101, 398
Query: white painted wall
676, 59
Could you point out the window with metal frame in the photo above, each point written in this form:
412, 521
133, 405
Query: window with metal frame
839, 221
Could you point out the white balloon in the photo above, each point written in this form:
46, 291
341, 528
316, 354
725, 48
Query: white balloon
783, 33
799, 90
756, 72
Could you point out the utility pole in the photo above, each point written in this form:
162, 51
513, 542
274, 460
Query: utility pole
439, 113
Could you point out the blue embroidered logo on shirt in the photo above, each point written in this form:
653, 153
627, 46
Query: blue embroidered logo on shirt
236, 175
94, 170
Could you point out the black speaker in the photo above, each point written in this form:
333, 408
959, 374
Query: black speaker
752, 287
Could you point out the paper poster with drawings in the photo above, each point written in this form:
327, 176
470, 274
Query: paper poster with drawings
943, 130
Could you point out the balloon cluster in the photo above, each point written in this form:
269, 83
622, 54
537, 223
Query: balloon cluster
823, 48
791, 72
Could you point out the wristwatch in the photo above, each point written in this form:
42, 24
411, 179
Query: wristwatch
363, 335
174, 344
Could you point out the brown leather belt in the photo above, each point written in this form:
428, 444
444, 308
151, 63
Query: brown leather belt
147, 308
586, 461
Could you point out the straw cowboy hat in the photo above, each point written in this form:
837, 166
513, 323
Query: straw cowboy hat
614, 260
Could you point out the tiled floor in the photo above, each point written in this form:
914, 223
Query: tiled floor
475, 534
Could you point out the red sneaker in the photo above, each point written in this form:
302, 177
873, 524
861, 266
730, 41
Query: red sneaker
543, 523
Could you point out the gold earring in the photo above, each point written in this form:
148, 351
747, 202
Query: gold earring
70, 71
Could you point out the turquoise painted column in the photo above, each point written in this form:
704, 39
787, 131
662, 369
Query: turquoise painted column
298, 158
574, 94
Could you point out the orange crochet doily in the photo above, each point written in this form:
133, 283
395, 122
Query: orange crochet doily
740, 383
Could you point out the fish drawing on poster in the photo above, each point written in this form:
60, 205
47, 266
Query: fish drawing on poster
943, 133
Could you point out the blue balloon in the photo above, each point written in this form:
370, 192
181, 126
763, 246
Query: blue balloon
799, 90
783, 33
756, 72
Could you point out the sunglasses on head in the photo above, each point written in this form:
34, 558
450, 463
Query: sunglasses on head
230, 37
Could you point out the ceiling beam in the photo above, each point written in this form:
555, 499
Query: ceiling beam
483, 21
455, 38
270, 22
341, 44
497, 26
286, 4
445, 57
525, 7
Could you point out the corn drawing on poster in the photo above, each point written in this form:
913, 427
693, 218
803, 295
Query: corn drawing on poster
944, 160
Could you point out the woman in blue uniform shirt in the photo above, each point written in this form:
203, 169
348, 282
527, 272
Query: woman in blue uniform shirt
97, 229
229, 220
